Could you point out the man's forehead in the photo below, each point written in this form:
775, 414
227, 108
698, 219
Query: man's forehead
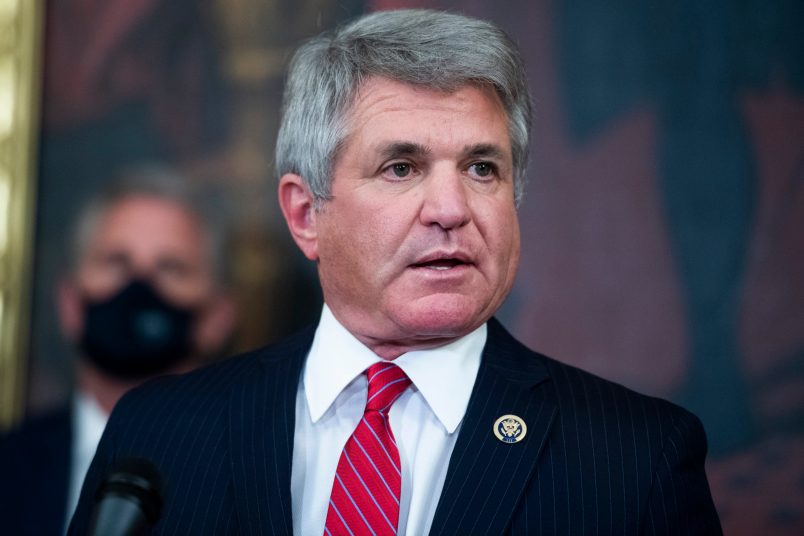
143, 209
145, 223
378, 96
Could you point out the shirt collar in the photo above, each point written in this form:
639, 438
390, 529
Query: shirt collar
90, 420
445, 375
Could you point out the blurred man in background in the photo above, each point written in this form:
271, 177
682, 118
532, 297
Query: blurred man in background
144, 292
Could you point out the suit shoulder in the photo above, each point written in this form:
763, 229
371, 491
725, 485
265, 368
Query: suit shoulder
586, 394
215, 378
589, 398
35, 429
578, 389
574, 387
34, 463
39, 441
179, 397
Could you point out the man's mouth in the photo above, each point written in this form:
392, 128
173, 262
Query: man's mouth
440, 264
442, 261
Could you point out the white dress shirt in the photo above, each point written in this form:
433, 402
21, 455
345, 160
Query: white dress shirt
425, 420
89, 420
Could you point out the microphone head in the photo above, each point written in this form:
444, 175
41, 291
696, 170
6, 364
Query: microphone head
136, 480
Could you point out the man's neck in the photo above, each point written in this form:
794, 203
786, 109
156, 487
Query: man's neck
399, 342
390, 350
104, 389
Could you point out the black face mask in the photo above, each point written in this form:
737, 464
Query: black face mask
136, 333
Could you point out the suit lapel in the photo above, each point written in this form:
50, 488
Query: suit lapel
262, 421
486, 476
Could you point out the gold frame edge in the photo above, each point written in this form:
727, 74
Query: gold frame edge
21, 57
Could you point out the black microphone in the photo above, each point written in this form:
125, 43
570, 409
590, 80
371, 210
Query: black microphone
129, 500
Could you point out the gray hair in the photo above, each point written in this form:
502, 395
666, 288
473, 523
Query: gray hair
160, 182
432, 49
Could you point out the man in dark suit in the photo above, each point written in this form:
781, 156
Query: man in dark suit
408, 408
143, 252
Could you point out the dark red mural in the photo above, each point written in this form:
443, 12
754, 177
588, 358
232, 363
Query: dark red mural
662, 226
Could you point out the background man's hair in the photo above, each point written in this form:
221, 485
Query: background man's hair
431, 49
160, 182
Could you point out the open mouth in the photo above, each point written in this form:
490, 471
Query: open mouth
441, 264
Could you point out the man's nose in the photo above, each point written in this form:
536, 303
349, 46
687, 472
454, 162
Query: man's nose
446, 201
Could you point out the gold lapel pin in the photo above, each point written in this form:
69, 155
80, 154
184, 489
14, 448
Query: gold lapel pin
510, 429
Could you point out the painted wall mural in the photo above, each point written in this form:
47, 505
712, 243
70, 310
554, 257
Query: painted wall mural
662, 226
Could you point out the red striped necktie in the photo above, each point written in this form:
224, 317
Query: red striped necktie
366, 490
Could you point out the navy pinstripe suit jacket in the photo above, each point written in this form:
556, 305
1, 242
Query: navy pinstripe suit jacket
35, 465
597, 458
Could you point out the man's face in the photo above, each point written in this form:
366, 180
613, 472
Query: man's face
159, 241
150, 238
420, 242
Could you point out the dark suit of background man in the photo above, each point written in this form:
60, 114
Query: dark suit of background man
144, 249
402, 155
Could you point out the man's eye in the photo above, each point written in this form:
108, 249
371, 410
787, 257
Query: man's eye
398, 171
482, 169
173, 270
116, 262
401, 170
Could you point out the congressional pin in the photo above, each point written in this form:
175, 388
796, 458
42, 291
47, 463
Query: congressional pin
510, 429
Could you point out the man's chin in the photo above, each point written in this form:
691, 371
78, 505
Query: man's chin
441, 319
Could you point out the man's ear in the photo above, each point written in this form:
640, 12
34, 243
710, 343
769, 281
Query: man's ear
297, 205
70, 308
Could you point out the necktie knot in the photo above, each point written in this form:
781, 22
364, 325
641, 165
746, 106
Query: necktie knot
386, 382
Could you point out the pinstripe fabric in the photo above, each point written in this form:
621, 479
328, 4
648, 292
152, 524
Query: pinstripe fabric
221, 438
597, 458
368, 480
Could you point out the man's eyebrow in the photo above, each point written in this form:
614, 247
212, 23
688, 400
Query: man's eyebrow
400, 149
485, 150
